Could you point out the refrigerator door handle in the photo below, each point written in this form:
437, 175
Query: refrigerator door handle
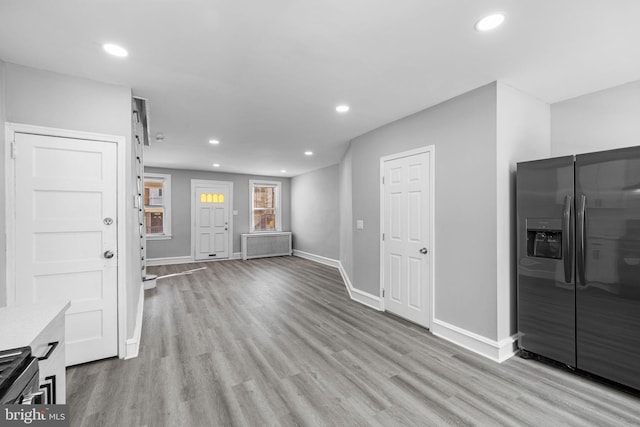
581, 255
566, 241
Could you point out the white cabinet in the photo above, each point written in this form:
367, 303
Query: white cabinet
41, 327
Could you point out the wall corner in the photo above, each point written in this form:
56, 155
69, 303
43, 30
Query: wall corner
3, 194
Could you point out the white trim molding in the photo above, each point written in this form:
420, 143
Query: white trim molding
498, 351
357, 295
133, 344
169, 260
317, 258
159, 236
152, 262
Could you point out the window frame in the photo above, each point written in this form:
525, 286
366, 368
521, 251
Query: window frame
253, 183
165, 179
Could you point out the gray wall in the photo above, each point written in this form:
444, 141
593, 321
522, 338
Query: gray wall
180, 244
346, 214
49, 99
315, 212
523, 134
478, 138
3, 267
463, 131
44, 98
597, 121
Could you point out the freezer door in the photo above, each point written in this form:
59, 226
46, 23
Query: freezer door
608, 264
546, 286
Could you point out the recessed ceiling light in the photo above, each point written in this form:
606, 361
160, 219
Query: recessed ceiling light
342, 108
283, 171
115, 50
308, 153
490, 22
214, 141
216, 165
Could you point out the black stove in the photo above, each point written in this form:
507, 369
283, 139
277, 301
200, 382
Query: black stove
18, 376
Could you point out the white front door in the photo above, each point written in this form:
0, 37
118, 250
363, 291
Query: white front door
212, 222
66, 237
406, 233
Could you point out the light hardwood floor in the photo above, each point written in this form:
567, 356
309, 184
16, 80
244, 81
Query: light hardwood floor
278, 342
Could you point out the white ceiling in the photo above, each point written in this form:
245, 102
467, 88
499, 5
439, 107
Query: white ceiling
264, 77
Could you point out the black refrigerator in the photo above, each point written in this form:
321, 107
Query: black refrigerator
578, 262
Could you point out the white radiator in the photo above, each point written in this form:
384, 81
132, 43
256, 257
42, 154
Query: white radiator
260, 245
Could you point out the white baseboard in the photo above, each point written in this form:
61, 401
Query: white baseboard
317, 258
498, 351
149, 283
169, 260
133, 344
186, 260
357, 295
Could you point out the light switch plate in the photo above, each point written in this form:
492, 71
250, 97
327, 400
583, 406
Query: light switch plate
235, 213
360, 224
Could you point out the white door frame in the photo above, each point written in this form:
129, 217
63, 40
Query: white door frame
207, 183
431, 149
121, 197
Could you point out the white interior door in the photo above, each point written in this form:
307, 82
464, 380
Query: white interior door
212, 222
406, 228
66, 237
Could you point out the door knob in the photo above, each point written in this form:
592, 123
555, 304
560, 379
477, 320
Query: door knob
108, 254
423, 251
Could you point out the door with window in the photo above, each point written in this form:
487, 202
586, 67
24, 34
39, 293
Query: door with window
406, 251
212, 221
66, 236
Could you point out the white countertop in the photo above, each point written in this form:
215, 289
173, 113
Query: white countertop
21, 324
